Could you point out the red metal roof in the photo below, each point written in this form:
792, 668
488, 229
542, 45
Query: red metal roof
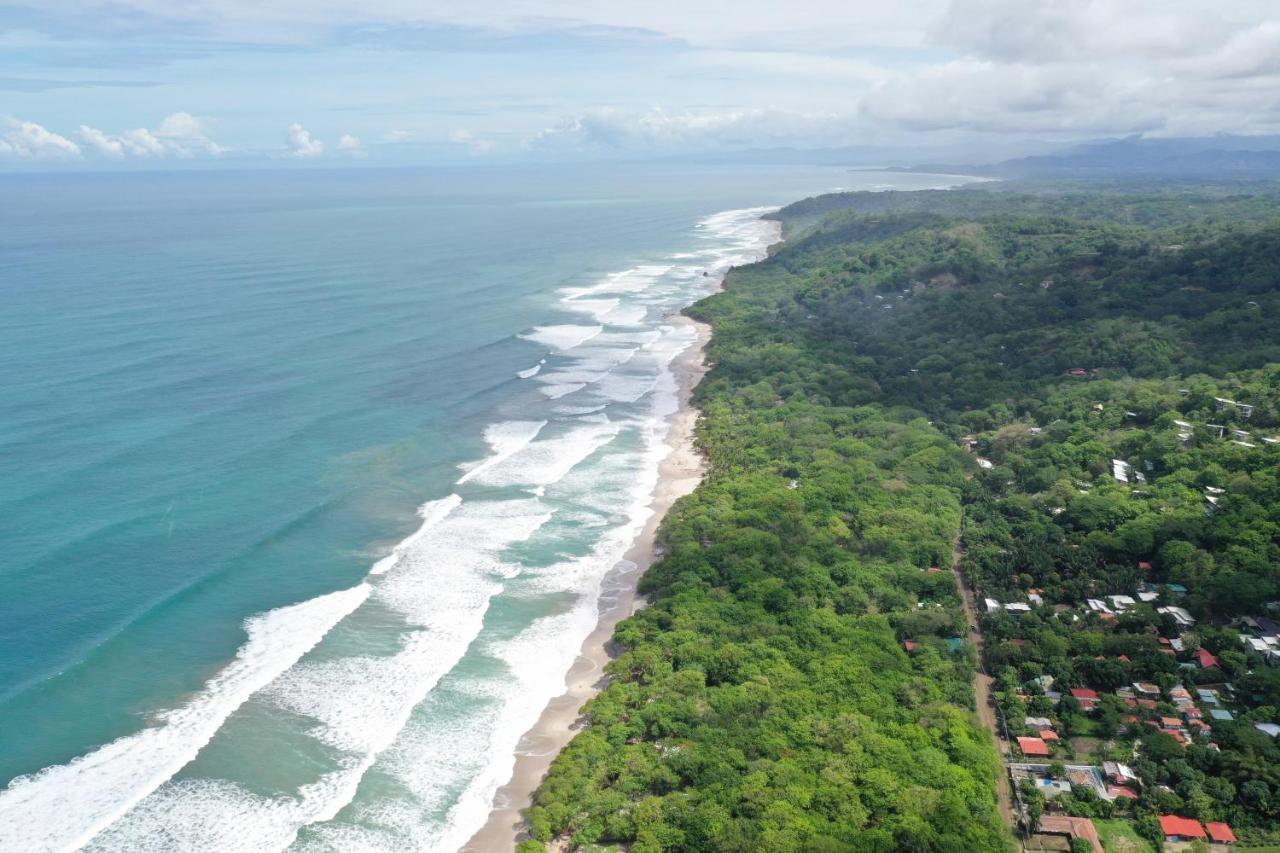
1183, 826
1221, 833
1084, 693
1033, 746
1206, 658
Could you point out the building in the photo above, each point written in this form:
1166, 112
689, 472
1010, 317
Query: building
1220, 833
1179, 614
1180, 828
1072, 827
1087, 698
1269, 729
1205, 658
1033, 746
1120, 774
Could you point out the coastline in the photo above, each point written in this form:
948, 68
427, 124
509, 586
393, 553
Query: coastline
679, 474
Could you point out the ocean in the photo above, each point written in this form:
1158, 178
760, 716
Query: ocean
309, 480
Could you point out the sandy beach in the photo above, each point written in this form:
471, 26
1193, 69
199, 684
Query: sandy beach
679, 474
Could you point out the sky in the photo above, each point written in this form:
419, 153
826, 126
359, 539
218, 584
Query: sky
154, 83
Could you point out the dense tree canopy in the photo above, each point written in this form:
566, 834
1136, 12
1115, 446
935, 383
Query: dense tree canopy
800, 680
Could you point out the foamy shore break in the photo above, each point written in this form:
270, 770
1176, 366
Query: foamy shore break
400, 702
679, 473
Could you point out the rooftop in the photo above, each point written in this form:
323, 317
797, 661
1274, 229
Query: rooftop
1220, 832
1182, 826
1033, 746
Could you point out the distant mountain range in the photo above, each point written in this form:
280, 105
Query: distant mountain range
1137, 156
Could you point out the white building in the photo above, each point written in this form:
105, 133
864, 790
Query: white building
1180, 615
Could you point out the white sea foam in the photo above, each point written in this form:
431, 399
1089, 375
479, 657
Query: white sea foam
562, 337
547, 460
442, 584
504, 439
431, 513
63, 807
530, 371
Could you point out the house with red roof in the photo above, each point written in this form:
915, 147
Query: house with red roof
1206, 659
909, 645
1087, 698
1180, 828
1220, 833
1033, 746
1117, 791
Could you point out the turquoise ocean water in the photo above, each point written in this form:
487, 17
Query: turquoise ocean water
308, 481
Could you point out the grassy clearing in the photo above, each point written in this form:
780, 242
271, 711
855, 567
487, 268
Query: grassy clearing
1119, 836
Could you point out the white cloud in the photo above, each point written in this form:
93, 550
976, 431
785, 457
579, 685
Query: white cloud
179, 135
141, 141
108, 146
993, 97
395, 137
352, 145
186, 133
658, 129
302, 144
467, 139
27, 140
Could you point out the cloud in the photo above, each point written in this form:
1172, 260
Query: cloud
302, 144
661, 129
752, 24
26, 140
109, 146
395, 137
1090, 30
352, 145
465, 138
993, 97
1252, 53
179, 135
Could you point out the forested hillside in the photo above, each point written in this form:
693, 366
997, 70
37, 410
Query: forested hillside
803, 678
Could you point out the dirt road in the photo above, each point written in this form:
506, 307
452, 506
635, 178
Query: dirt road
982, 686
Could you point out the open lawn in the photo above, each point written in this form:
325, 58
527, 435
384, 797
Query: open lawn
1118, 836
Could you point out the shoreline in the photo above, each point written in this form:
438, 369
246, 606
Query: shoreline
679, 473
